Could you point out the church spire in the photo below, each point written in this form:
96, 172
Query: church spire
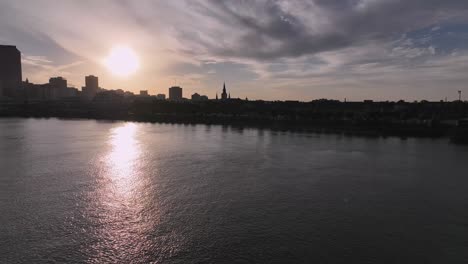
224, 95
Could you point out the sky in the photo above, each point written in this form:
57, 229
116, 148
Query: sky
263, 49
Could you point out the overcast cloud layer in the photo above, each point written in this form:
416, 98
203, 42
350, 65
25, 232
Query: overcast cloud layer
264, 49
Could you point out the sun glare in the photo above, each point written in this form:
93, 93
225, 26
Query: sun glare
122, 61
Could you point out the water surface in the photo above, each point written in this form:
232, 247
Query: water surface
82, 191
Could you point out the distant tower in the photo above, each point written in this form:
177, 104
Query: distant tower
229, 97
224, 95
216, 96
175, 93
92, 82
91, 87
459, 95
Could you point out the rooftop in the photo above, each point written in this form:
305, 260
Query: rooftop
5, 47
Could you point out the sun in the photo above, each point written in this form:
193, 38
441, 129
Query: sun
122, 61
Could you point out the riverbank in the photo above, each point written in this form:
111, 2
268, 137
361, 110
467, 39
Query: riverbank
431, 120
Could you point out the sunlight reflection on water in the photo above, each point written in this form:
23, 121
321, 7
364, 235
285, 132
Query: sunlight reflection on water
121, 199
123, 158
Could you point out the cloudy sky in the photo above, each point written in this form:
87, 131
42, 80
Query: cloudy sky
263, 49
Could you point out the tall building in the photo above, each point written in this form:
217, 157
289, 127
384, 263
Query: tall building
224, 95
92, 81
175, 93
57, 88
91, 87
10, 70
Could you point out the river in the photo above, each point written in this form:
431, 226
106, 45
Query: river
85, 191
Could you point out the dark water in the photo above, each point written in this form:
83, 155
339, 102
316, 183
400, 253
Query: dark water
100, 192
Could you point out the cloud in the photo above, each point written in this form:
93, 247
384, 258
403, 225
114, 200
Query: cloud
268, 30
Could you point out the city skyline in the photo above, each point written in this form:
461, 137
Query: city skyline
272, 50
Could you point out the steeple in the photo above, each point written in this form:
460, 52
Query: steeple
224, 95
216, 96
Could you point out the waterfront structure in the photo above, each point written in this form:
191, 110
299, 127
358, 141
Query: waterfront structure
54, 90
10, 71
35, 92
91, 87
175, 93
161, 96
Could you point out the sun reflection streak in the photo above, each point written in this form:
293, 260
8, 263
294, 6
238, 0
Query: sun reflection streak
123, 158
120, 210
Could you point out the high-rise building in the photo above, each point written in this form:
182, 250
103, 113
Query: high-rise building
92, 81
10, 70
57, 88
175, 93
91, 87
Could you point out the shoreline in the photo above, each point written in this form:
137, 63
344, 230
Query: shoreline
346, 129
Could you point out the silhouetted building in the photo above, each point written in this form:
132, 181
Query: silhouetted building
144, 93
10, 71
197, 97
161, 96
92, 81
120, 92
224, 95
54, 90
58, 82
128, 94
91, 88
35, 92
175, 93
71, 92
57, 88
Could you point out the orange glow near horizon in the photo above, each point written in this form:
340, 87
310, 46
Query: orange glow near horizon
122, 61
